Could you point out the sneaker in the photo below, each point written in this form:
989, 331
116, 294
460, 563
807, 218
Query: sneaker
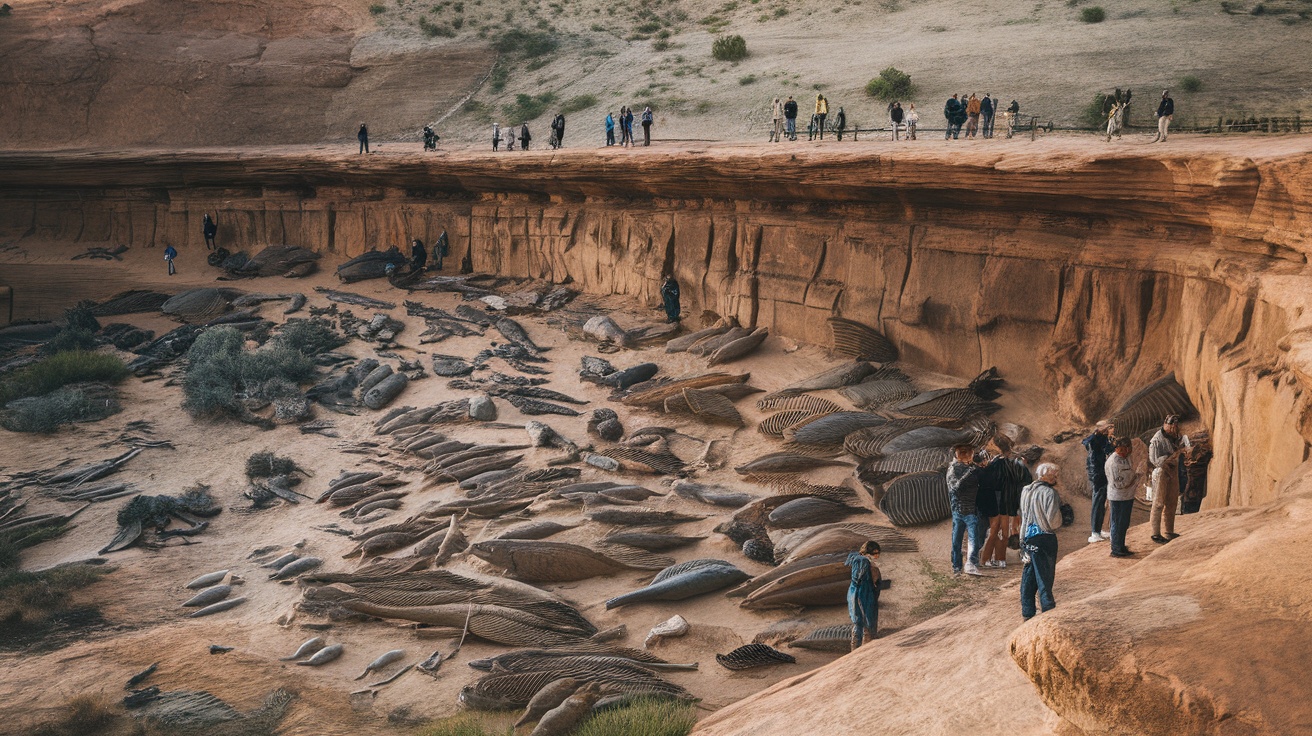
1171, 535
1105, 535
1160, 539
973, 570
956, 571
1095, 538
1122, 553
1000, 563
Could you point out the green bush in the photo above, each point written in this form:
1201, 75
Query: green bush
1093, 115
1093, 15
267, 465
46, 414
643, 717
221, 374
377, 9
60, 370
465, 724
729, 48
1191, 84
576, 104
433, 30
749, 79
528, 107
524, 43
308, 337
891, 84
68, 340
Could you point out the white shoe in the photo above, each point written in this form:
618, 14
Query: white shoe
1095, 538
973, 570
1105, 535
1000, 563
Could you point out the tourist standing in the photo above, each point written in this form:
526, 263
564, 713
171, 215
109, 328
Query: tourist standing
558, 131
610, 129
895, 116
913, 120
1164, 455
418, 256
1040, 517
169, 254
840, 123
1098, 446
1121, 482
972, 115
496, 136
963, 490
624, 129
986, 111
209, 230
628, 125
776, 121
951, 109
524, 137
790, 118
1194, 471
670, 298
993, 552
508, 135
821, 112
1013, 115
1165, 114
363, 136
647, 119
863, 593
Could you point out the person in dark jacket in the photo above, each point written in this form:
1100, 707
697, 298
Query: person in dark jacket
986, 110
1013, 115
1098, 446
441, 249
558, 129
896, 115
209, 230
840, 123
628, 124
1165, 114
670, 298
963, 492
952, 109
524, 137
647, 119
363, 137
430, 139
418, 255
790, 119
1193, 486
169, 254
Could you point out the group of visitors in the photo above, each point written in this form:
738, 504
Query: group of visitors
977, 115
419, 254
507, 135
625, 124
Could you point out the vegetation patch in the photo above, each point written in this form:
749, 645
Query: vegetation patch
222, 377
467, 724
643, 717
35, 605
528, 107
1094, 14
83, 402
891, 84
377, 9
526, 44
434, 30
1191, 84
59, 370
579, 103
729, 48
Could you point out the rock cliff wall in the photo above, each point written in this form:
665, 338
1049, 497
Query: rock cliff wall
1083, 276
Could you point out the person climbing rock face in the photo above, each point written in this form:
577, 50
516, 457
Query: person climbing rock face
670, 298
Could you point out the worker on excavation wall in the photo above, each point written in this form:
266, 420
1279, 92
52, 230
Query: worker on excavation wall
209, 230
670, 298
418, 255
440, 250
169, 254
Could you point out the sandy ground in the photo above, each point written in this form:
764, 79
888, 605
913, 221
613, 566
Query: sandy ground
140, 599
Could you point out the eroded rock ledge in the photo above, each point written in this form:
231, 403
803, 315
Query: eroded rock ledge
1087, 276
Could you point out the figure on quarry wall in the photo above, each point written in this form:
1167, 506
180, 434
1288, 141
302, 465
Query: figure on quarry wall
647, 119
1193, 473
790, 118
209, 230
863, 593
963, 492
986, 112
1040, 517
776, 121
1165, 114
441, 249
1098, 446
418, 256
1122, 480
169, 254
1164, 454
363, 136
496, 136
670, 298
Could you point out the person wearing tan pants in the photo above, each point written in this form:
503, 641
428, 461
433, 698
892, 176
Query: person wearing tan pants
1164, 455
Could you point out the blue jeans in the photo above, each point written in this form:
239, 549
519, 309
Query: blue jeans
1038, 574
1120, 523
1099, 509
961, 523
790, 127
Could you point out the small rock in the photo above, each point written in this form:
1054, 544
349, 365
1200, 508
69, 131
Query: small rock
601, 461
540, 435
482, 409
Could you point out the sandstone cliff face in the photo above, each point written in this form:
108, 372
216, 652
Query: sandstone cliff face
1085, 277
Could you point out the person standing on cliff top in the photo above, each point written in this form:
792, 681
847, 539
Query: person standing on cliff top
1013, 116
209, 230
840, 123
972, 113
647, 119
863, 593
1099, 446
963, 491
524, 137
821, 112
986, 111
363, 137
1164, 455
169, 254
790, 119
776, 120
951, 109
610, 129
913, 121
496, 136
1040, 518
1165, 114
895, 116
1121, 482
670, 298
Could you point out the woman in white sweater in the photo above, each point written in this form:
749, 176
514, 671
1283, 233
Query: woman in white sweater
1040, 518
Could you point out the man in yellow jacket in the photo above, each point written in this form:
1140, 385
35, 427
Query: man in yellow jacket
821, 112
972, 115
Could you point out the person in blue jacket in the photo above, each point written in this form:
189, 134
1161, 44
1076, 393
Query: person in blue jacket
169, 254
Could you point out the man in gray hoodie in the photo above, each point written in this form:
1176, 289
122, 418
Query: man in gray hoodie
1121, 482
1040, 518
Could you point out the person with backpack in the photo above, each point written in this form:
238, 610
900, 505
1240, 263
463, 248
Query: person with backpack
1040, 518
1098, 445
951, 109
790, 119
986, 111
628, 124
972, 114
558, 131
430, 139
840, 123
913, 120
863, 593
647, 119
209, 230
169, 254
